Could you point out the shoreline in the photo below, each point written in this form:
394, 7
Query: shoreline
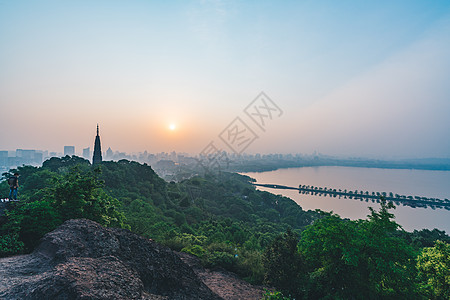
267, 168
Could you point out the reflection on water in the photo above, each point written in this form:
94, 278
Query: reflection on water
432, 184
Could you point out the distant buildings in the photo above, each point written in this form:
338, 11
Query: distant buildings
69, 150
3, 158
87, 153
109, 154
12, 159
167, 163
28, 157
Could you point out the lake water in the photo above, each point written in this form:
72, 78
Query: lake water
435, 184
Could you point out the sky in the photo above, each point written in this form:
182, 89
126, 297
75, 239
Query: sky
345, 78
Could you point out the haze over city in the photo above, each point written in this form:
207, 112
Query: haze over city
351, 78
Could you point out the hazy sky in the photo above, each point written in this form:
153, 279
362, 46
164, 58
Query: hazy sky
353, 78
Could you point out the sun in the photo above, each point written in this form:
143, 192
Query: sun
172, 126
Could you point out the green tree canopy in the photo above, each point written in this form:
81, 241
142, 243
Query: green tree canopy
78, 194
283, 264
433, 265
358, 259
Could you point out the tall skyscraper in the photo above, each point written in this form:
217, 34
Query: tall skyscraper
97, 150
109, 154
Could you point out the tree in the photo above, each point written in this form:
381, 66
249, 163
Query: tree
283, 264
331, 248
63, 164
35, 219
358, 259
79, 194
433, 265
387, 259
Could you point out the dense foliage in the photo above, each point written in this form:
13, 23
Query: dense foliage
357, 259
227, 223
433, 265
50, 198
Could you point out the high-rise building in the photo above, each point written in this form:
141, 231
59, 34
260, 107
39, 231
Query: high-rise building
25, 156
38, 157
69, 150
3, 158
97, 158
87, 152
109, 153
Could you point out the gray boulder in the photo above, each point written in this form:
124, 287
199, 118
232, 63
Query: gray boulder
83, 260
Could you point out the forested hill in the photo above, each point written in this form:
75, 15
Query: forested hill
217, 218
225, 222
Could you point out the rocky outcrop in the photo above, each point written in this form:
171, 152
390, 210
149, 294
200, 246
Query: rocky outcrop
226, 284
83, 260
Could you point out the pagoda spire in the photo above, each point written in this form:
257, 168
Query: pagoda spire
97, 158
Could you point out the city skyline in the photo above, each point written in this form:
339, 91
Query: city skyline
349, 79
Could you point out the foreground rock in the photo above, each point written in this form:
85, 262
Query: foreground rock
83, 260
225, 284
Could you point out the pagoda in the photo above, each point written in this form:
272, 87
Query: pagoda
97, 158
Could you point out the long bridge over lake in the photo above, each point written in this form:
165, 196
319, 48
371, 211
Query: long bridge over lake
413, 201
